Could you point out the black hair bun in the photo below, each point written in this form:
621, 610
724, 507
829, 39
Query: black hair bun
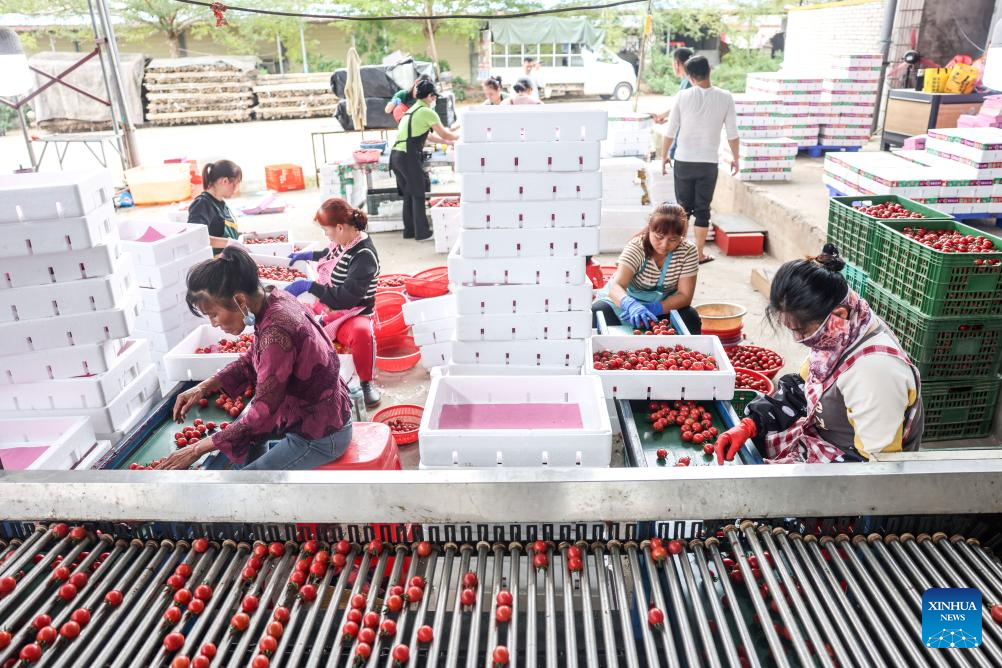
830, 258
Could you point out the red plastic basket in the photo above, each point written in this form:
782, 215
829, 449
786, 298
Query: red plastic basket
396, 353
386, 278
768, 373
758, 375
388, 314
408, 413
432, 282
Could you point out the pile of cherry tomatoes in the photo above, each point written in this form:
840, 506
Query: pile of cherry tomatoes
746, 381
190, 435
695, 422
389, 282
660, 328
398, 426
662, 358
888, 210
952, 241
239, 345
280, 238
450, 203
278, 274
232, 406
755, 358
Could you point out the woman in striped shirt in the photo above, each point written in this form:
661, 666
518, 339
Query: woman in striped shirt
656, 275
346, 285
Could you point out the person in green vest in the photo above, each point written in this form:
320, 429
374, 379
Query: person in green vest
221, 180
419, 124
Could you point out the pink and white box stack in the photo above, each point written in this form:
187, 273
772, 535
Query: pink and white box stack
990, 115
849, 97
800, 98
760, 116
767, 159
68, 306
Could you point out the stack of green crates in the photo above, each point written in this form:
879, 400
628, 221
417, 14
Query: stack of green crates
945, 308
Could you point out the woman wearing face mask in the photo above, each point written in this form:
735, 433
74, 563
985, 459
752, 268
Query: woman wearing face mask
221, 180
656, 275
346, 286
857, 393
292, 364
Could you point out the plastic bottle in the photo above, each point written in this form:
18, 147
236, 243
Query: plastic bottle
196, 185
358, 412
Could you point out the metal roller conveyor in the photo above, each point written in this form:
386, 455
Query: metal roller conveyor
751, 595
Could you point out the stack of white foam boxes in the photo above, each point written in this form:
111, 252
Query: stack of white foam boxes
800, 98
760, 116
68, 306
626, 201
162, 253
629, 134
849, 100
531, 188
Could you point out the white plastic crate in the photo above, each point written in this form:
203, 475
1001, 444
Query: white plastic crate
569, 353
62, 267
425, 310
182, 363
510, 370
519, 299
120, 414
178, 240
56, 235
569, 424
85, 392
307, 268
664, 385
93, 456
436, 355
274, 248
170, 273
538, 187
434, 331
56, 363
67, 440
531, 215
162, 342
55, 299
537, 156
167, 320
548, 243
27, 336
563, 122
158, 301
47, 195
524, 326
515, 270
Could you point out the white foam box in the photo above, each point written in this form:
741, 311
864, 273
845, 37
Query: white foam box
55, 235
434, 331
166, 320
68, 362
49, 195
436, 355
307, 268
548, 242
568, 353
182, 363
524, 326
530, 215
123, 412
180, 241
433, 309
514, 270
171, 273
159, 301
564, 123
162, 342
589, 444
250, 241
56, 299
540, 187
67, 440
664, 385
974, 144
521, 299
93, 456
445, 223
92, 391
528, 156
62, 267
26, 336
510, 370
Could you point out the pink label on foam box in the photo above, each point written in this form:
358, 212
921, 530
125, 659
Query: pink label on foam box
150, 235
510, 416
19, 459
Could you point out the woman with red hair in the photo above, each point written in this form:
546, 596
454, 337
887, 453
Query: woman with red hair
346, 285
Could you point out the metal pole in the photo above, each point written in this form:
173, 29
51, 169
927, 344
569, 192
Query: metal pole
278, 51
302, 45
648, 29
890, 10
101, 56
128, 129
27, 138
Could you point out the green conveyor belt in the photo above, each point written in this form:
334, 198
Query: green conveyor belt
671, 438
161, 442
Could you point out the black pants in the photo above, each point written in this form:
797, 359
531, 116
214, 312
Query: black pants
694, 186
688, 315
412, 187
415, 218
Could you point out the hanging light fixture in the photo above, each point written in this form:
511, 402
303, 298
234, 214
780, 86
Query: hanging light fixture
15, 77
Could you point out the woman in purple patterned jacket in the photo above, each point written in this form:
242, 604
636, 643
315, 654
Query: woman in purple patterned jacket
292, 364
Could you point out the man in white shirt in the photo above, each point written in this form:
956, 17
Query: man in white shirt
696, 119
531, 69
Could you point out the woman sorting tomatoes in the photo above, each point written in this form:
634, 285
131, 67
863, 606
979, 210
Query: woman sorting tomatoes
656, 275
221, 180
292, 364
346, 286
858, 393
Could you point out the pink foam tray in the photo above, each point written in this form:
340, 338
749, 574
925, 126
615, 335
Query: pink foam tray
510, 416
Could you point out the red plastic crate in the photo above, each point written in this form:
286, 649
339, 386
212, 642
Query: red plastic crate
282, 178
739, 243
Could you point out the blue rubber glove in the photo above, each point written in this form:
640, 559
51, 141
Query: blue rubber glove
301, 255
657, 309
298, 287
635, 313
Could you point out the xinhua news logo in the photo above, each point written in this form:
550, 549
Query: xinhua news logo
951, 618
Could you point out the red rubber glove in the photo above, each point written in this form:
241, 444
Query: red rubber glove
729, 443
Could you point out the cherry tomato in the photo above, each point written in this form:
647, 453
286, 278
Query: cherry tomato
997, 613
504, 597
201, 662
200, 545
388, 628
414, 594
46, 636
367, 636
4, 638
308, 593
500, 656
281, 614
173, 642
350, 630
7, 585
196, 607
370, 620
363, 650
239, 622
182, 597
260, 661
423, 549
81, 616
180, 662
401, 654
540, 561
502, 614
354, 615
208, 650
268, 645
358, 601
394, 603
67, 592
275, 629
468, 597
655, 617
30, 653
172, 615
425, 634
69, 630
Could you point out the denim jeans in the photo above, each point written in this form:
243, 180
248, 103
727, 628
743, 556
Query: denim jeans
293, 453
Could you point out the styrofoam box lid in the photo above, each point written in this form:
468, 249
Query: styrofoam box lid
531, 215
520, 353
526, 156
548, 242
47, 195
61, 267
564, 123
664, 385
518, 299
453, 369
156, 243
27, 336
483, 187
67, 439
525, 327
55, 235
47, 301
68, 362
434, 308
514, 271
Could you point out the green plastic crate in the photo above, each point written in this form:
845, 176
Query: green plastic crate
857, 279
852, 230
941, 348
936, 283
955, 411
